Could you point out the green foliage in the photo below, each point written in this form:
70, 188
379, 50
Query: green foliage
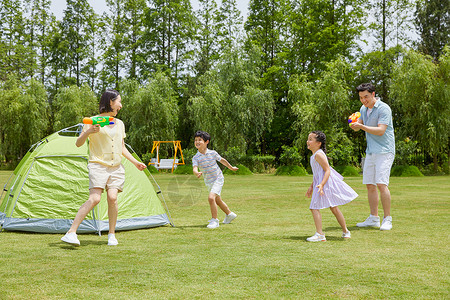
23, 115
188, 154
183, 169
347, 171
243, 170
150, 113
290, 156
152, 169
406, 171
234, 155
230, 106
259, 163
433, 25
291, 170
72, 104
405, 152
421, 91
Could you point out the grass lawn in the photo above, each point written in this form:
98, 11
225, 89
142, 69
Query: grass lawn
262, 254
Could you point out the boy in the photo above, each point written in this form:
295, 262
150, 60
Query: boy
212, 174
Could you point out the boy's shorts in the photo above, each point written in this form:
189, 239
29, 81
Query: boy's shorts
106, 178
216, 186
377, 168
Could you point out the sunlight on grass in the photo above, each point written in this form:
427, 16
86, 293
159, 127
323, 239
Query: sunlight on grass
262, 254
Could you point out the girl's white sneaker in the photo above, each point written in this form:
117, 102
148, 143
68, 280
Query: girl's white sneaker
317, 237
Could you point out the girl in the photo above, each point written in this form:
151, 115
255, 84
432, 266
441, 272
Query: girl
327, 189
106, 147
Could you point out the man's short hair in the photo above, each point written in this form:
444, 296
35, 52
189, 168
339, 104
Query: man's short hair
366, 87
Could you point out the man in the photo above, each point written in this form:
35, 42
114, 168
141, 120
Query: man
376, 121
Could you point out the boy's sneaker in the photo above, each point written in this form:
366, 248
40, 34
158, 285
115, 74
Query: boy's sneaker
346, 235
112, 241
229, 218
317, 237
213, 223
387, 223
371, 221
71, 238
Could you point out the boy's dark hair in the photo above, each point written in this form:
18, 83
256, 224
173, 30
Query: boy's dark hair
105, 104
366, 87
321, 137
203, 134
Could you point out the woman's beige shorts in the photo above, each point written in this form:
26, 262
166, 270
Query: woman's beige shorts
106, 178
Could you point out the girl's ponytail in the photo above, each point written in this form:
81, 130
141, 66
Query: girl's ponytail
321, 137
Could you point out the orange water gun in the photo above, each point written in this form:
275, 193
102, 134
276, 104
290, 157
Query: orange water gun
354, 117
100, 120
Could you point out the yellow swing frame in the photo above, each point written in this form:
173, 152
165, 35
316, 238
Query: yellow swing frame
176, 146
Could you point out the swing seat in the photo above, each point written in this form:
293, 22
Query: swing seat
166, 163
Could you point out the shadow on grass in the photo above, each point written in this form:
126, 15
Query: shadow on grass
329, 238
66, 246
190, 226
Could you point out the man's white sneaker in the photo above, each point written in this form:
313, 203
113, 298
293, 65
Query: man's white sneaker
371, 221
346, 235
387, 223
229, 218
112, 241
213, 223
317, 237
71, 238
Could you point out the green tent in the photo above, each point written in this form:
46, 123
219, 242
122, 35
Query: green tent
51, 183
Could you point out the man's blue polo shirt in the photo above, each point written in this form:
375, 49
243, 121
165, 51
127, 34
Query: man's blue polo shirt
381, 114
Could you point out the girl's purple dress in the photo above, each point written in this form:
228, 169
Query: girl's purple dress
336, 191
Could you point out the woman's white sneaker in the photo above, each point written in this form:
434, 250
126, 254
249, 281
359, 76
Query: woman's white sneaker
71, 238
317, 237
112, 241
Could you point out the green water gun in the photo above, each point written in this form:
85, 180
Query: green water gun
100, 120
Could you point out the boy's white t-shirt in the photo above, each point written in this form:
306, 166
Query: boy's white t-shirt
208, 165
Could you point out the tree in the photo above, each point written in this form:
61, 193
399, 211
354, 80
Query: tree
230, 105
16, 55
150, 113
72, 104
23, 116
38, 27
169, 30
229, 23
206, 37
432, 20
421, 91
78, 30
324, 105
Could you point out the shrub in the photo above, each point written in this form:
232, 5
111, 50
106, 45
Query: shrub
183, 169
259, 163
291, 170
347, 171
188, 154
243, 170
290, 156
406, 171
152, 169
233, 155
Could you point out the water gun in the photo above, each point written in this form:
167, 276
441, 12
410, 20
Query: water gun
100, 120
354, 117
